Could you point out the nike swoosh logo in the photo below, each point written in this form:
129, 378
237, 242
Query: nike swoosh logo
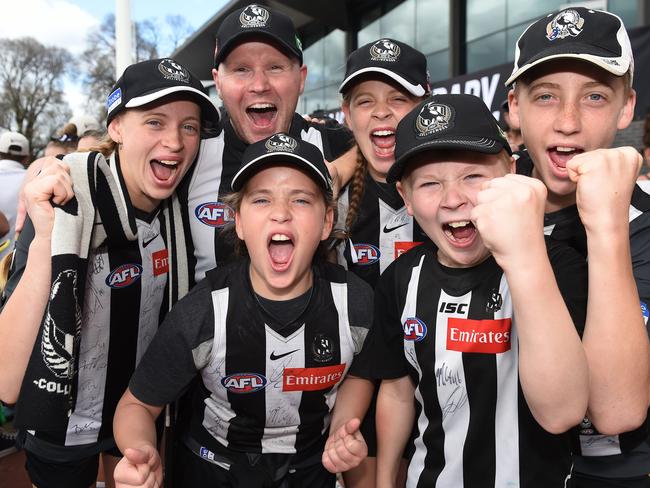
391, 229
146, 243
274, 357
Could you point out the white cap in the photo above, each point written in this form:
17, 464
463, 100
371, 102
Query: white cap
84, 124
14, 143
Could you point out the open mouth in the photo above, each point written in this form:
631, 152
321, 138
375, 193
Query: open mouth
280, 251
262, 114
560, 156
164, 170
383, 141
461, 232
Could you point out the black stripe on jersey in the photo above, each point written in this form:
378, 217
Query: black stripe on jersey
248, 428
640, 199
123, 342
434, 437
312, 403
479, 468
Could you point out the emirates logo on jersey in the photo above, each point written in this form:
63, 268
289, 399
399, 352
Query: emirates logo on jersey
312, 379
479, 336
160, 262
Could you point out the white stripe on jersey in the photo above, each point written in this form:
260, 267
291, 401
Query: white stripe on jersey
506, 424
217, 405
313, 136
452, 397
600, 445
548, 229
399, 225
282, 408
204, 188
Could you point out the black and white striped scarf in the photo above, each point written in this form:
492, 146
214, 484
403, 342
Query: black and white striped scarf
100, 212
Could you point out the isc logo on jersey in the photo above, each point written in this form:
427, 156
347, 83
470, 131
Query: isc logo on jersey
366, 254
214, 214
124, 275
244, 382
414, 329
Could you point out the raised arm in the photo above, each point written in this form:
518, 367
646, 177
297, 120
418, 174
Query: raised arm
552, 364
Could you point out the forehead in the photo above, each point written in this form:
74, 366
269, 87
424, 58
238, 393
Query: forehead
569, 72
256, 47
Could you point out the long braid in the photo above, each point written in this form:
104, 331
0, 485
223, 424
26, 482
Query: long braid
357, 187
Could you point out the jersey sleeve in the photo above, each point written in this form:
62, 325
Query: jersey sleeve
570, 269
640, 250
19, 262
382, 356
178, 351
340, 140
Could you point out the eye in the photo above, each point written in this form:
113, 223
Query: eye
544, 97
473, 176
302, 201
595, 97
191, 128
259, 201
429, 184
154, 123
277, 68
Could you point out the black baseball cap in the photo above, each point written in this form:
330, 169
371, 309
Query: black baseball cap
594, 36
446, 122
282, 148
395, 59
255, 20
148, 81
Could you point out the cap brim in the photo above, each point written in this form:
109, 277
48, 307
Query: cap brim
481, 145
250, 168
210, 111
617, 66
417, 90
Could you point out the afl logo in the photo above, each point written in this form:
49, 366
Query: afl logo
254, 16
414, 329
244, 382
214, 214
366, 254
384, 50
124, 275
433, 117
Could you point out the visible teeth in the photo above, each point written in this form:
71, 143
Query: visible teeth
383, 133
167, 162
460, 223
565, 149
280, 237
261, 106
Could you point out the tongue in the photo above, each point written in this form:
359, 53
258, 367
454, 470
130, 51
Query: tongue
161, 171
461, 233
561, 158
280, 253
262, 118
384, 142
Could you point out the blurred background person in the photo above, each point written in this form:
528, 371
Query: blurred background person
14, 157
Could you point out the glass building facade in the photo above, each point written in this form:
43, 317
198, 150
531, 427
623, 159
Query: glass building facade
486, 33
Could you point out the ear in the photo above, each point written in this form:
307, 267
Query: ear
303, 77
513, 165
404, 191
238, 226
513, 109
646, 154
115, 129
329, 223
627, 112
345, 107
217, 81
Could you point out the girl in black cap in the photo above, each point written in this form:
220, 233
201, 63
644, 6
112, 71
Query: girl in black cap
95, 270
384, 80
265, 341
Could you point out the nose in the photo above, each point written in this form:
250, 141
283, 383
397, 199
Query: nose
381, 110
567, 119
260, 81
280, 211
172, 139
452, 196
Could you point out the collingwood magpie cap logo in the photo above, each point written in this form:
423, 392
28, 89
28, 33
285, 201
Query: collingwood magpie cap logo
254, 16
384, 50
281, 142
566, 23
433, 117
171, 70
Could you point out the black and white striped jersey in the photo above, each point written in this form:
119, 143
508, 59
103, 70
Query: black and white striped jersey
267, 387
454, 332
565, 226
209, 180
381, 232
124, 296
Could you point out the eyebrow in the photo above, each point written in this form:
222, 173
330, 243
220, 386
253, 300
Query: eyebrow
556, 86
